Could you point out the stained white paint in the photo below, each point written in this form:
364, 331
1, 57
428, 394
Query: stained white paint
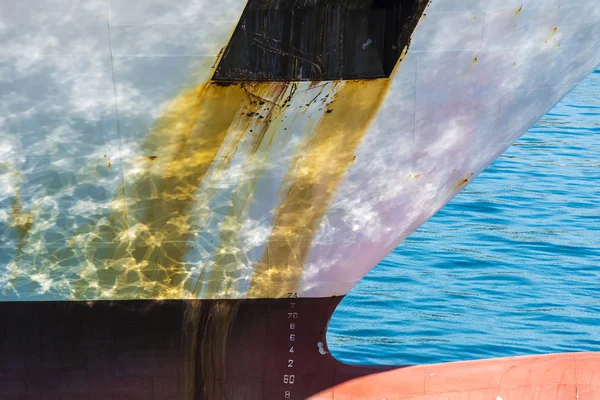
477, 76
81, 80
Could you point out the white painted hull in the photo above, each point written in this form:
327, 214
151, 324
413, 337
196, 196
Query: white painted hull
92, 100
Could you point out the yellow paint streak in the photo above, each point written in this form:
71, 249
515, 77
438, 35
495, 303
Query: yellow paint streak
519, 10
185, 142
140, 254
311, 182
21, 221
265, 100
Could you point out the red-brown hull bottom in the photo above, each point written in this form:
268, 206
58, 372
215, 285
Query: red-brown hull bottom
545, 377
240, 349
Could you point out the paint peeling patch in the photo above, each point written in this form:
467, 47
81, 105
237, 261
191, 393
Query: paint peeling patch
139, 252
321, 347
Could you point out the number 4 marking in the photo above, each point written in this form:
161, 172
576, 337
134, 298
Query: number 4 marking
292, 349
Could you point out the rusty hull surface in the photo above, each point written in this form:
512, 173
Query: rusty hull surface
264, 349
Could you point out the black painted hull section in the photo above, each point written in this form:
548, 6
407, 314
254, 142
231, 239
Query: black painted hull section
318, 40
171, 350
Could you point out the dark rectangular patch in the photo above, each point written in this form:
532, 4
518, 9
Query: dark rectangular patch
291, 40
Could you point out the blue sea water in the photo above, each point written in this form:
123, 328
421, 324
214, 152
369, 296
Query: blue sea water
511, 266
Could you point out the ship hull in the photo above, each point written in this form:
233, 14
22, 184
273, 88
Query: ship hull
241, 350
187, 191
194, 153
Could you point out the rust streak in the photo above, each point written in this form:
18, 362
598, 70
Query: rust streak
186, 139
140, 253
464, 181
311, 182
21, 221
227, 258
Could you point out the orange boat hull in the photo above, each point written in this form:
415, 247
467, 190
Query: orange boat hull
544, 377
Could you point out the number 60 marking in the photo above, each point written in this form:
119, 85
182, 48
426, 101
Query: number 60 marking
289, 379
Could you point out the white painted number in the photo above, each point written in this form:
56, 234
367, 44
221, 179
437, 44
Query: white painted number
289, 379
